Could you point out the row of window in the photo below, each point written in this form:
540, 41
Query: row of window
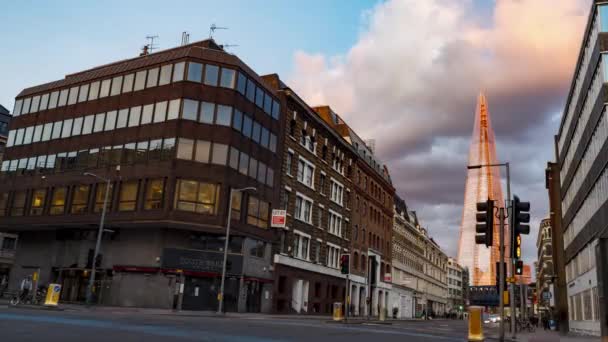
144, 79
581, 123
580, 77
204, 112
592, 203
599, 137
584, 306
190, 195
134, 152
302, 250
222, 154
581, 263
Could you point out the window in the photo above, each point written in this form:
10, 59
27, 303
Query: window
267, 104
257, 249
77, 127
36, 103
38, 199
128, 196
80, 199
237, 199
244, 163
129, 153
100, 194
253, 167
141, 153
67, 128
165, 74
257, 212
127, 84
104, 91
168, 150
333, 255
123, 117
288, 163
250, 90
301, 245
140, 80
160, 112
335, 223
99, 122
256, 132
173, 111
320, 217
9, 243
259, 97
116, 86
337, 191
211, 74
273, 143
202, 151
261, 172
247, 123
306, 172
63, 100
237, 120
190, 110
72, 98
228, 76
134, 116
322, 184
195, 72
87, 127
197, 197
270, 177
18, 205
178, 71
146, 116
220, 154
207, 111
154, 194
29, 134
241, 84
303, 209
224, 114
234, 158
152, 78
265, 137
55, 96
56, 130
58, 201
185, 148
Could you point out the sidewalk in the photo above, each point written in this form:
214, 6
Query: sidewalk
545, 336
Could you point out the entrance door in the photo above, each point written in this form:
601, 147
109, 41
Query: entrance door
254, 295
200, 294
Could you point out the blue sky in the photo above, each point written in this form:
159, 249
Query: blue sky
45, 41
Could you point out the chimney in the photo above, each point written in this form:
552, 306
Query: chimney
144, 51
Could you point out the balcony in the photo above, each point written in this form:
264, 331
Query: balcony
7, 254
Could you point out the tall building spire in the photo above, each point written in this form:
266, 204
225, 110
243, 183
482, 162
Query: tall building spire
481, 184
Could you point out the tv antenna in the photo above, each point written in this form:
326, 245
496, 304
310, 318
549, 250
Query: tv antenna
226, 46
214, 27
151, 45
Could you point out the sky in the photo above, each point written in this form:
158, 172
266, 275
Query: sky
403, 72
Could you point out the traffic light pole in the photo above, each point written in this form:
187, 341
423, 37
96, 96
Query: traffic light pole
501, 272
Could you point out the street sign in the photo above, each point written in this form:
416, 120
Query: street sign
279, 218
388, 277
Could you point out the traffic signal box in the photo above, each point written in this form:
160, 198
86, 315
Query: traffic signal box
345, 263
485, 223
519, 225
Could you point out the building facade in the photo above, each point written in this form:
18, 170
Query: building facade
455, 303
482, 183
436, 284
545, 269
582, 156
5, 119
8, 245
170, 134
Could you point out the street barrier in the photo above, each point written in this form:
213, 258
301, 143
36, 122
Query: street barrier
52, 295
475, 324
338, 312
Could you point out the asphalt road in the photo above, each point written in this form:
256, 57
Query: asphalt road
37, 325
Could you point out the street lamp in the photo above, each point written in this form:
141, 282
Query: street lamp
89, 295
221, 294
501, 247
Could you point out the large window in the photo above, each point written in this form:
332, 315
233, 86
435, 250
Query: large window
128, 196
58, 201
100, 196
197, 196
18, 205
303, 209
228, 78
185, 148
195, 72
257, 212
301, 245
333, 255
335, 223
38, 200
211, 74
154, 194
337, 191
237, 204
306, 172
80, 199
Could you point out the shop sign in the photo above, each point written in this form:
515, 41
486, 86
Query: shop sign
279, 218
201, 261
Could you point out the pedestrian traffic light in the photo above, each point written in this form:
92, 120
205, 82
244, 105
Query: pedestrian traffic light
519, 267
345, 263
485, 223
519, 219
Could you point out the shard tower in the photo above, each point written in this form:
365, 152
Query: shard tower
481, 184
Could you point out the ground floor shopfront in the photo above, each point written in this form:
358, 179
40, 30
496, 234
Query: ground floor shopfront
146, 268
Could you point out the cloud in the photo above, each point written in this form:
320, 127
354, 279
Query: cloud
411, 80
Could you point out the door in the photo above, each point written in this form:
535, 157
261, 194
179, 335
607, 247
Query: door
254, 295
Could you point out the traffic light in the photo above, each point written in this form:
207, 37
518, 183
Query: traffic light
345, 263
485, 223
519, 219
519, 267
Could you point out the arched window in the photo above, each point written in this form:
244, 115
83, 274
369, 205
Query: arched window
356, 261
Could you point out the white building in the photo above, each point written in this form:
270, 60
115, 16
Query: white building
455, 287
582, 158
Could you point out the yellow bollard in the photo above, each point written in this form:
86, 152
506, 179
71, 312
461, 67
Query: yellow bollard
475, 324
338, 315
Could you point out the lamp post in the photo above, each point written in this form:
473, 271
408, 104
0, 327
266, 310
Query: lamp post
89, 295
501, 247
221, 294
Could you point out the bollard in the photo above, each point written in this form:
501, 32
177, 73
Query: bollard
338, 314
475, 324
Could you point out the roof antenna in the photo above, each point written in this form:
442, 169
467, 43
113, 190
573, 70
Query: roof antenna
151, 45
212, 29
226, 46
185, 38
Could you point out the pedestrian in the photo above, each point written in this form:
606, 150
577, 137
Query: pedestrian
26, 287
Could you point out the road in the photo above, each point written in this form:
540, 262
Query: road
17, 324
